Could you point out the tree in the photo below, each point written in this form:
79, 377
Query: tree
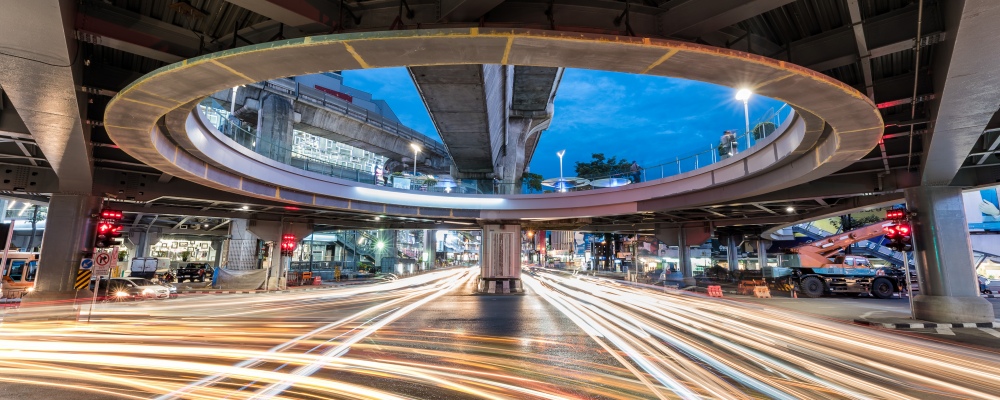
600, 167
534, 181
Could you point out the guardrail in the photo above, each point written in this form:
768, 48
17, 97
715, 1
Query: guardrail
281, 152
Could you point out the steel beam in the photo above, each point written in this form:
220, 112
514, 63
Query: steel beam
114, 27
309, 16
695, 18
966, 82
465, 10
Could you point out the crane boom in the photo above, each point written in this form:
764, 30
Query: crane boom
819, 252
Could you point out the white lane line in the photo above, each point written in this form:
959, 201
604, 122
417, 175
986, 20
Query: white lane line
991, 331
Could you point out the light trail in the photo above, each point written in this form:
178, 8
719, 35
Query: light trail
362, 342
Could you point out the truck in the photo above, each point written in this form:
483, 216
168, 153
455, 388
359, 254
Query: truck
819, 268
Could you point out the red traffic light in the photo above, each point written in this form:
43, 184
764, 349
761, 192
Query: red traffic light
898, 214
111, 215
890, 231
104, 228
903, 230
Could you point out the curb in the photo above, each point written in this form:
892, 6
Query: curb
991, 296
930, 325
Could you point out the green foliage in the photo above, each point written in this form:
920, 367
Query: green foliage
856, 221
601, 167
534, 181
430, 182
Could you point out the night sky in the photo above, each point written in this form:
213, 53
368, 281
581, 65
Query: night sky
645, 118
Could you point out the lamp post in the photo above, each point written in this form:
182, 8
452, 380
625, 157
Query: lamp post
744, 95
562, 187
416, 149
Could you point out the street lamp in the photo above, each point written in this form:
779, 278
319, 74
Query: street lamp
744, 95
416, 149
562, 183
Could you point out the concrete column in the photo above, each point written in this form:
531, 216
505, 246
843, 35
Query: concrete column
501, 261
949, 291
762, 246
684, 257
732, 252
275, 136
430, 247
69, 237
241, 253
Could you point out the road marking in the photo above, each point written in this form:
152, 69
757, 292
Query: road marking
944, 331
991, 331
868, 314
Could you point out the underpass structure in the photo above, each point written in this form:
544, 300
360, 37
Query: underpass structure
918, 72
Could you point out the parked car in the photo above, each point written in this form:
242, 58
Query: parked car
194, 272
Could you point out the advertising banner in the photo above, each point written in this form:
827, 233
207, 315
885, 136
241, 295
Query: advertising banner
982, 210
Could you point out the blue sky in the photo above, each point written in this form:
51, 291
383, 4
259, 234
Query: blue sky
645, 118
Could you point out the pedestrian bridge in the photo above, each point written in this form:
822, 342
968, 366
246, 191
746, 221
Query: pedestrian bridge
832, 126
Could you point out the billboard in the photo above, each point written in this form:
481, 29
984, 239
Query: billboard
982, 210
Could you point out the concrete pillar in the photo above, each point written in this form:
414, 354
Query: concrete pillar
430, 247
501, 261
69, 237
684, 257
762, 246
274, 128
949, 291
733, 252
241, 252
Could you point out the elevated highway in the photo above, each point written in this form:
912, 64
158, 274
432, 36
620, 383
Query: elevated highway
489, 116
336, 119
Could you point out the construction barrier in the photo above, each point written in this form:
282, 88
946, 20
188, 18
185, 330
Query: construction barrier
715, 291
746, 286
761, 292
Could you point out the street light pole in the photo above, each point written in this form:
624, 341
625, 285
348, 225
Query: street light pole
562, 184
744, 95
416, 149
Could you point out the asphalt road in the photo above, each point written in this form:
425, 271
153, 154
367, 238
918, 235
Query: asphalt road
431, 337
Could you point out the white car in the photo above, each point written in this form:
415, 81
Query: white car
148, 289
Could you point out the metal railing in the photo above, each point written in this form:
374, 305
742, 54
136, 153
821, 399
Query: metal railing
243, 135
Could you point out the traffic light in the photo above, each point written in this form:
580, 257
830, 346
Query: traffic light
896, 214
900, 236
288, 243
108, 229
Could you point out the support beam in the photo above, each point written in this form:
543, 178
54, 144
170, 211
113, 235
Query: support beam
118, 28
41, 65
758, 205
695, 18
308, 16
966, 81
465, 10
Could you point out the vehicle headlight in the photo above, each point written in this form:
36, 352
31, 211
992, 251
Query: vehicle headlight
121, 294
32, 289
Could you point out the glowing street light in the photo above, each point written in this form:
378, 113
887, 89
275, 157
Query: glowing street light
744, 95
416, 149
562, 183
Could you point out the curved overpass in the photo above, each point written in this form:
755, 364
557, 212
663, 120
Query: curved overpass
156, 120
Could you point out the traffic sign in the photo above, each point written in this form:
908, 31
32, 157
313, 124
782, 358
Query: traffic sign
102, 260
86, 263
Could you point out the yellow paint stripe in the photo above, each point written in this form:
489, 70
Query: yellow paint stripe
357, 57
474, 31
232, 71
760, 85
145, 103
506, 50
660, 61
